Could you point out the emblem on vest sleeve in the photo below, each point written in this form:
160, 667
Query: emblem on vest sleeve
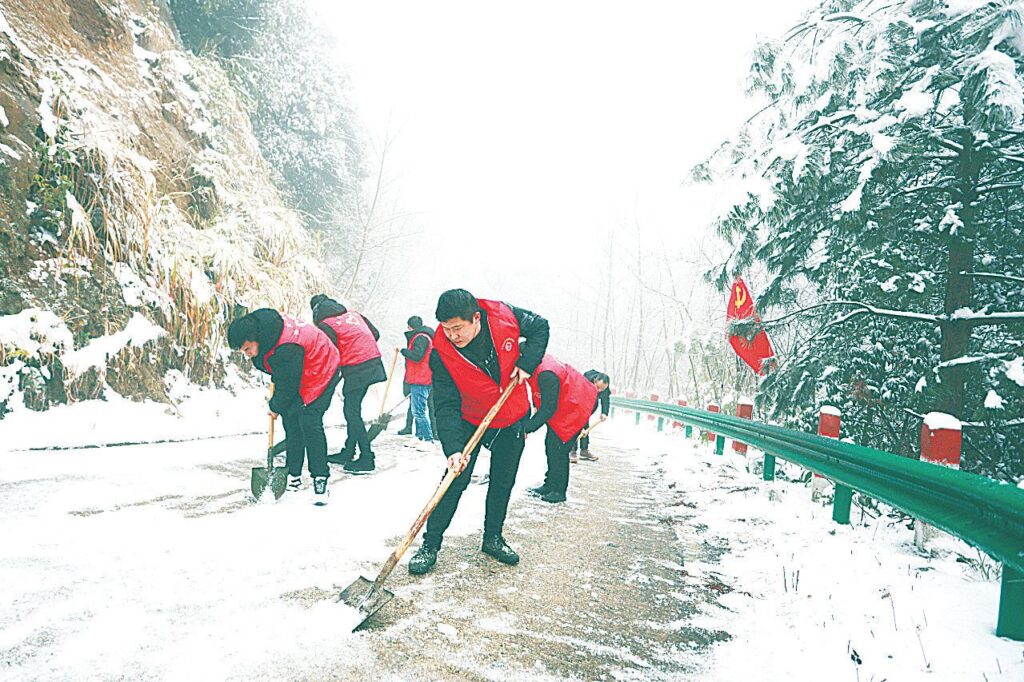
507, 346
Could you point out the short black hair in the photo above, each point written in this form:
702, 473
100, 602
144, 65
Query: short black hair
241, 330
415, 321
593, 375
456, 303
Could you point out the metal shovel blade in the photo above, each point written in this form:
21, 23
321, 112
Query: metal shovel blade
368, 601
276, 479
378, 426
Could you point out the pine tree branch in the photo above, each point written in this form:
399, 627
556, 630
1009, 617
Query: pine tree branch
863, 308
992, 275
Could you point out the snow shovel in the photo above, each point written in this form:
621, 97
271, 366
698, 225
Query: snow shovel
381, 422
275, 477
370, 596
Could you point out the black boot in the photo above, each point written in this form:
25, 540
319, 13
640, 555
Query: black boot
423, 560
553, 496
539, 491
405, 432
495, 546
364, 465
343, 457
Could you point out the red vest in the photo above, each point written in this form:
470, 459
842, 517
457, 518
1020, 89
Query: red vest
355, 340
321, 358
478, 390
418, 373
576, 398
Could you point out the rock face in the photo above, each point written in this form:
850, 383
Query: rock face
130, 185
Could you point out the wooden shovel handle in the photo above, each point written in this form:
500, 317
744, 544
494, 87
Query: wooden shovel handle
473, 441
586, 432
387, 386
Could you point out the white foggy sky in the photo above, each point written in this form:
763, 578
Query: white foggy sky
524, 131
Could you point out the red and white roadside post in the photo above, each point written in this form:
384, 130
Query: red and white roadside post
744, 410
713, 407
681, 403
941, 441
829, 419
650, 417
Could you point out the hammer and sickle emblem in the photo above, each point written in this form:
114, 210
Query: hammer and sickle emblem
741, 297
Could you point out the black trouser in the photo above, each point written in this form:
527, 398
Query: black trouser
557, 477
352, 407
430, 414
506, 446
304, 434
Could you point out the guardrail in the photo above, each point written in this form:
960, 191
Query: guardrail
982, 512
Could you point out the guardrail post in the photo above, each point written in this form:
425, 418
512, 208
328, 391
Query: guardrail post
720, 446
1011, 605
707, 434
654, 399
769, 468
744, 410
940, 444
611, 411
828, 426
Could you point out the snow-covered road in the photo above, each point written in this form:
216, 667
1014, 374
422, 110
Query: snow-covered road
152, 562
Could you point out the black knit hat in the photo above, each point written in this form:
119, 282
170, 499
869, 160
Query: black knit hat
315, 301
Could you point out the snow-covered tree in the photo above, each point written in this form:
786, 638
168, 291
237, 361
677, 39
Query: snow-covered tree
885, 180
298, 99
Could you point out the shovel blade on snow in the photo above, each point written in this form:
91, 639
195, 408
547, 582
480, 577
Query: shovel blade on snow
277, 479
378, 426
362, 596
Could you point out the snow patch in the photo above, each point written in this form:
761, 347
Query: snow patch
993, 401
1015, 371
936, 421
448, 631
35, 332
47, 119
138, 332
831, 410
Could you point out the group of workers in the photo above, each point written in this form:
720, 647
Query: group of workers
454, 376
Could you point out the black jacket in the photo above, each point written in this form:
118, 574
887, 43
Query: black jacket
356, 376
419, 347
452, 429
550, 390
285, 366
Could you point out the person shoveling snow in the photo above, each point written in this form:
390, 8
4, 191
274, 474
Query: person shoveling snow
355, 338
304, 366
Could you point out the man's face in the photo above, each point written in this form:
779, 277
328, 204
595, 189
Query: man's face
601, 385
459, 331
250, 349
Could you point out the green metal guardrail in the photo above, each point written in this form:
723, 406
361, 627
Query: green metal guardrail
983, 512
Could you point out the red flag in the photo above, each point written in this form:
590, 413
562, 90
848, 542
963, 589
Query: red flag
741, 307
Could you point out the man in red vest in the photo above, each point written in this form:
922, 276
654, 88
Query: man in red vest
601, 380
356, 340
418, 377
304, 367
564, 399
476, 354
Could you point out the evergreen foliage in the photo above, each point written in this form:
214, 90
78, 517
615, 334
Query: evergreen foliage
884, 193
